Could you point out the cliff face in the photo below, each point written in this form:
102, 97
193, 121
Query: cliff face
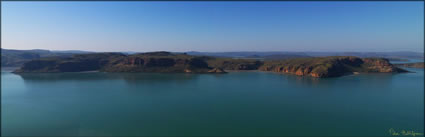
146, 63
116, 62
380, 65
330, 66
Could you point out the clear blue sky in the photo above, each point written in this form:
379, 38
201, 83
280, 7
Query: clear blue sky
214, 26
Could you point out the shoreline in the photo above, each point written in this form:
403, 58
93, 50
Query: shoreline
243, 70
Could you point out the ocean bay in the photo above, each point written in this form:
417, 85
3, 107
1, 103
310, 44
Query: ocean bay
232, 104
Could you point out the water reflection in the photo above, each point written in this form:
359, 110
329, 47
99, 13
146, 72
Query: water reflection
156, 78
134, 78
49, 77
130, 78
327, 83
147, 104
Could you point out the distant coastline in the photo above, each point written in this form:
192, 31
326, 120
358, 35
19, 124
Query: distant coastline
167, 62
411, 65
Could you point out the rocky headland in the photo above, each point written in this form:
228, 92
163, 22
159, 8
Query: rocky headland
117, 62
331, 66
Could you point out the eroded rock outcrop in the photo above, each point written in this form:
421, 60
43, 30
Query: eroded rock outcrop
331, 66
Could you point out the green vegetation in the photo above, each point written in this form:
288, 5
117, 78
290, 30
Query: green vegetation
117, 62
75, 63
15, 58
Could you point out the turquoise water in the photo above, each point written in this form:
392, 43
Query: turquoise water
237, 103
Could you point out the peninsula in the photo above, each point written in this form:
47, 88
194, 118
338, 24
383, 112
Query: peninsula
166, 62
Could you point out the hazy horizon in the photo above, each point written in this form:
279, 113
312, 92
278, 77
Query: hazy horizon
222, 51
214, 26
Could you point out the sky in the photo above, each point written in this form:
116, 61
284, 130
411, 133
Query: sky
213, 26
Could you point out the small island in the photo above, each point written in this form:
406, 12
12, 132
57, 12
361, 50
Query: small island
166, 62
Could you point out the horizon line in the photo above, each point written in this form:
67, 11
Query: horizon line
216, 51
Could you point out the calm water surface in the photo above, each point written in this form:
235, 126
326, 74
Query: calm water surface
237, 103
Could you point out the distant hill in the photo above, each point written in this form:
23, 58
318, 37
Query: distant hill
399, 55
281, 55
15, 58
284, 56
245, 54
71, 51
